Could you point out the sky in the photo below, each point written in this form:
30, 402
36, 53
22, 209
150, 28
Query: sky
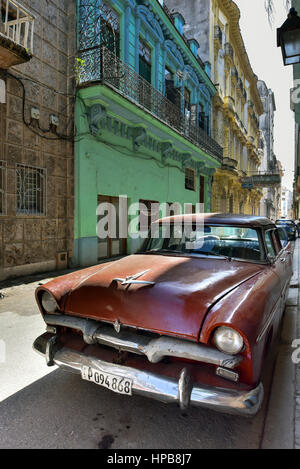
266, 61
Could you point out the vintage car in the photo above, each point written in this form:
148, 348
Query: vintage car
289, 226
189, 319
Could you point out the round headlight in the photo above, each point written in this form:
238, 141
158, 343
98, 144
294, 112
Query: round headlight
48, 302
228, 340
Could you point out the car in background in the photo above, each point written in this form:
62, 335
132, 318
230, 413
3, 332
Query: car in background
290, 227
297, 222
189, 319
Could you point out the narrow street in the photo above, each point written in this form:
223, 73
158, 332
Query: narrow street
150, 147
44, 407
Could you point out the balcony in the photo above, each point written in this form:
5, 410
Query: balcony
229, 106
230, 164
262, 179
16, 34
240, 124
101, 65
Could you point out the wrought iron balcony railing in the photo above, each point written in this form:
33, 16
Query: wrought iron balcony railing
262, 179
17, 24
101, 65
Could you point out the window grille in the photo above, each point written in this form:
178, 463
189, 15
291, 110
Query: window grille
31, 190
2, 187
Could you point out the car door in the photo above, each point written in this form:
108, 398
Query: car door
281, 262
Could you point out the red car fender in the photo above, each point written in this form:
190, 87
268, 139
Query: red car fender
247, 309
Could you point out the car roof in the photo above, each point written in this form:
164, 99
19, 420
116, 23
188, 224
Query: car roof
220, 219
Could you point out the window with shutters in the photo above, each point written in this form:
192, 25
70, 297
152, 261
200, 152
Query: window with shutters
190, 179
145, 60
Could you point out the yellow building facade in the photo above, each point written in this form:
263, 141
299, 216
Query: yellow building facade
237, 108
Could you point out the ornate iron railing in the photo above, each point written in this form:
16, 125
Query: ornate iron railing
100, 64
17, 24
262, 179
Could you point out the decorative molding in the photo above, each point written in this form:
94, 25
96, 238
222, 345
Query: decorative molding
151, 22
98, 118
186, 161
192, 75
139, 136
96, 115
174, 52
200, 168
130, 3
167, 149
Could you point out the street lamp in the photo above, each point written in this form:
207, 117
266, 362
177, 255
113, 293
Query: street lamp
288, 38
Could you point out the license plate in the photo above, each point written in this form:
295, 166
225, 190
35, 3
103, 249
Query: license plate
107, 380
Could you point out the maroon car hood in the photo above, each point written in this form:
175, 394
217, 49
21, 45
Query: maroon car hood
184, 290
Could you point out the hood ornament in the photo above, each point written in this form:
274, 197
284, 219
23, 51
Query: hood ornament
132, 279
117, 326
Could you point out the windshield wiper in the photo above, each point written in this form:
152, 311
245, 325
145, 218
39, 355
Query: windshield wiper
211, 253
159, 251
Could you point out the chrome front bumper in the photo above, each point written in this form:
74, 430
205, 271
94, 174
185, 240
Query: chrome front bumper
161, 388
154, 349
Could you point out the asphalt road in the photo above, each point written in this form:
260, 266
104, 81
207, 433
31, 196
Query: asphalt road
44, 407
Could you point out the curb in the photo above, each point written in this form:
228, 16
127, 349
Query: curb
282, 422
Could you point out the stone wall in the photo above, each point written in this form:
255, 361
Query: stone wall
29, 242
199, 30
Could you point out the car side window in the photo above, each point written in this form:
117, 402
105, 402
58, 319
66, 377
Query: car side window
277, 242
283, 237
270, 244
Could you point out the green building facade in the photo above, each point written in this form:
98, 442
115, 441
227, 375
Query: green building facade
143, 121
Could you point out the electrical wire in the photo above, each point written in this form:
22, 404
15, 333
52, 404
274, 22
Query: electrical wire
29, 124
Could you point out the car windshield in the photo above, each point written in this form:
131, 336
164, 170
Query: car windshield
208, 240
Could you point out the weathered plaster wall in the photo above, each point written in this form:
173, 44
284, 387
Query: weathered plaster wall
191, 9
35, 240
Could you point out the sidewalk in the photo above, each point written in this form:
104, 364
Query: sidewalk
282, 425
297, 393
